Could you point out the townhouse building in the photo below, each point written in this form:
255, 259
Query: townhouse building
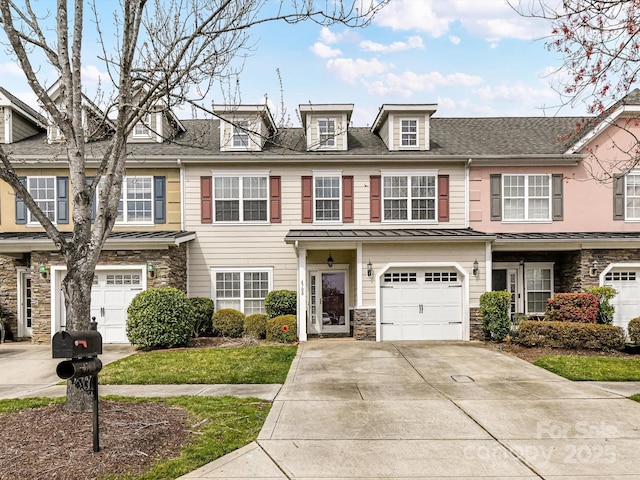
386, 232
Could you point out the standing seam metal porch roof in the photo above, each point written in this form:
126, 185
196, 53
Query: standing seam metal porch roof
395, 234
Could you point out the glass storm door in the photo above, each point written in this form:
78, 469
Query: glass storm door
24, 312
328, 305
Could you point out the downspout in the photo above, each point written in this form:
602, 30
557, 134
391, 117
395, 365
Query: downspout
467, 180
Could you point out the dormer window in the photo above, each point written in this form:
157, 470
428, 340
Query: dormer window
327, 132
143, 127
241, 134
409, 133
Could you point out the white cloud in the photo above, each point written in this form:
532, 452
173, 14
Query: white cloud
325, 51
455, 40
91, 75
412, 42
407, 83
11, 68
491, 20
327, 36
518, 93
351, 70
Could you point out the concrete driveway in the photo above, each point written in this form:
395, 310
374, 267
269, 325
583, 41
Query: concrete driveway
434, 410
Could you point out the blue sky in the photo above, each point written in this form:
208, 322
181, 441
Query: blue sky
470, 57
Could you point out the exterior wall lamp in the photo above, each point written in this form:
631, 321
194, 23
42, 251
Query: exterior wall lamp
369, 269
476, 268
593, 271
44, 271
330, 260
151, 270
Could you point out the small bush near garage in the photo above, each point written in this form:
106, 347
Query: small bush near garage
228, 323
203, 311
495, 308
255, 325
634, 330
281, 302
605, 310
572, 307
570, 335
282, 329
160, 318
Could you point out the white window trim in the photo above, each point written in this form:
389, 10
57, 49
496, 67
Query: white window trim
146, 122
334, 137
418, 143
242, 271
627, 218
31, 220
537, 266
122, 197
245, 126
327, 173
406, 173
526, 198
228, 173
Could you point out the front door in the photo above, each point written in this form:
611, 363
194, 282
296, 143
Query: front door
328, 302
507, 279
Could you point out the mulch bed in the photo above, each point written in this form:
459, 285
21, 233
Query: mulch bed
532, 354
51, 443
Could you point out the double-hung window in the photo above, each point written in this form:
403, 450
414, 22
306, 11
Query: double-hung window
241, 134
539, 287
136, 200
240, 198
327, 132
242, 290
526, 197
632, 194
43, 191
409, 197
409, 132
327, 198
142, 129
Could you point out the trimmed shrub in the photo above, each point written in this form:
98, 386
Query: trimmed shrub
160, 318
281, 302
495, 310
570, 335
634, 330
282, 329
228, 323
203, 310
572, 307
255, 325
605, 309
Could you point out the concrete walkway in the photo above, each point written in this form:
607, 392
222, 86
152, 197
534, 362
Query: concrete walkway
434, 410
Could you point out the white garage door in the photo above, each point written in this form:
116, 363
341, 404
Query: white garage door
111, 294
627, 302
421, 304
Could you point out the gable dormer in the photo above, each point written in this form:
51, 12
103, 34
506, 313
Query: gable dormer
404, 126
158, 124
95, 123
244, 128
326, 126
17, 120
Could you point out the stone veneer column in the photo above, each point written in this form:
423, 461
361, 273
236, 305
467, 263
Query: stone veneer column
364, 324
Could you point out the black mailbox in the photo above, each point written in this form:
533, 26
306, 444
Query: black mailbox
77, 344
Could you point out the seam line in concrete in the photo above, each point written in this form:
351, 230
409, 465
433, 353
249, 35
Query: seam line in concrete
273, 460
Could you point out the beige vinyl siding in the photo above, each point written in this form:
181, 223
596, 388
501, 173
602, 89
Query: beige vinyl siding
463, 253
313, 131
22, 127
257, 133
2, 123
397, 129
263, 245
153, 136
384, 133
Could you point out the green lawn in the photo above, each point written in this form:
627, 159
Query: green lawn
234, 365
603, 369
224, 425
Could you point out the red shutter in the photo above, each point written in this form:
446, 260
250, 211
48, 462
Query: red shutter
307, 199
347, 199
274, 197
375, 198
443, 198
206, 199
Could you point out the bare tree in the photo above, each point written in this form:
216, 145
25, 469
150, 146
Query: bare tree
166, 50
599, 41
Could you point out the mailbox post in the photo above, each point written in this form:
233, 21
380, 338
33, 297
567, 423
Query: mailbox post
81, 349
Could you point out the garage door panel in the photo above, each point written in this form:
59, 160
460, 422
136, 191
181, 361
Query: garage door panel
421, 310
626, 281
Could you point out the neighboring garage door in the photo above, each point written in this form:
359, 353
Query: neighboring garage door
627, 302
421, 304
111, 294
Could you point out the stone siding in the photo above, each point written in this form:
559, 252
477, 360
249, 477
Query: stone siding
364, 324
476, 331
